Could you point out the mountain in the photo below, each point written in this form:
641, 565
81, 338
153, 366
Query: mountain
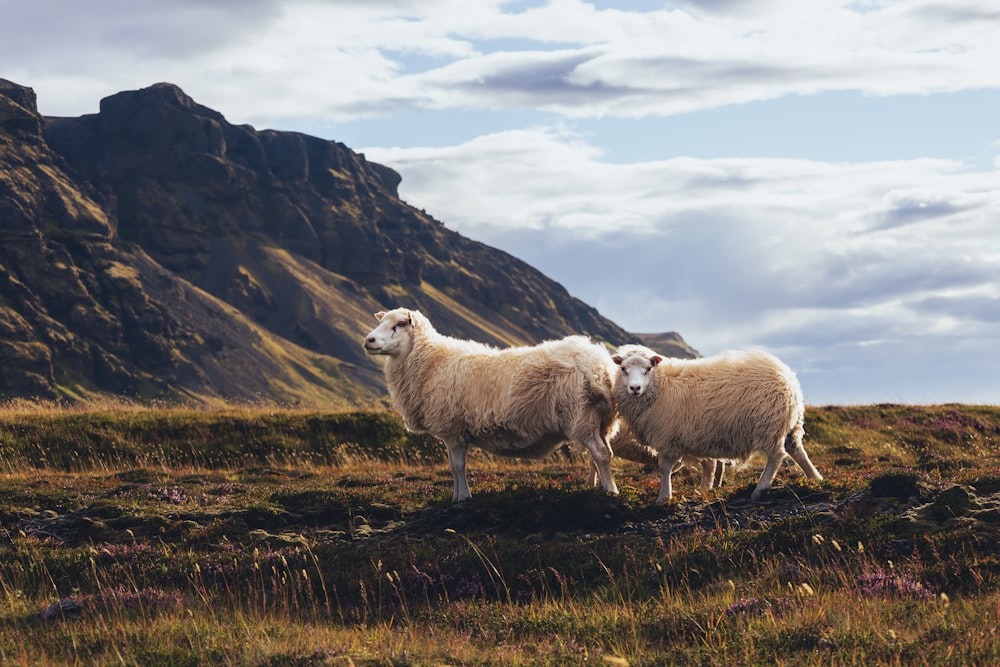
155, 250
669, 344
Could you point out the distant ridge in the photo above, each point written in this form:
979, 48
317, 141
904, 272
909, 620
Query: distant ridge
155, 251
669, 344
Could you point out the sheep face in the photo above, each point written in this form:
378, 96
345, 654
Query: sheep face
636, 365
393, 335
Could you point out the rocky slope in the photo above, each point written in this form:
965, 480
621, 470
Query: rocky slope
155, 250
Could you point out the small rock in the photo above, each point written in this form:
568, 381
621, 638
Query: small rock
991, 515
901, 485
259, 534
954, 501
329, 535
65, 608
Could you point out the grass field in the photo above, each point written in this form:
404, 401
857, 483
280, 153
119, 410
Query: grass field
249, 536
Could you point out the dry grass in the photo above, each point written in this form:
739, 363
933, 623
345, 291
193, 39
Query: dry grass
176, 536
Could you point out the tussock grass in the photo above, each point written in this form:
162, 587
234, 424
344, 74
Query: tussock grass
252, 535
124, 435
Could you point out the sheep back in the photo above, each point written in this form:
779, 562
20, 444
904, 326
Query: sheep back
521, 401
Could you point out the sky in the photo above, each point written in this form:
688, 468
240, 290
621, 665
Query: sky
818, 179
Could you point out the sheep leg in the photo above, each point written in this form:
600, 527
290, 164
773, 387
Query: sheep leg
600, 461
667, 464
798, 454
456, 461
593, 477
707, 473
770, 471
800, 457
720, 472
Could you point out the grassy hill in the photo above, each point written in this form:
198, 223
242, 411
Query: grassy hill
296, 537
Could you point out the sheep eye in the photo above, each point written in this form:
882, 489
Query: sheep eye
647, 370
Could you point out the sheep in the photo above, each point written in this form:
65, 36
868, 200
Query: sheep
728, 406
518, 401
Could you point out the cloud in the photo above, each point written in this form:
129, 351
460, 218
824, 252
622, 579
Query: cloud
796, 233
310, 60
634, 64
909, 206
981, 306
108, 29
821, 262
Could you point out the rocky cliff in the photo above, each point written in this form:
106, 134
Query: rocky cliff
155, 250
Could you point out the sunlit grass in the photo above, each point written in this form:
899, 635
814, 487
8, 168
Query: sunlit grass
250, 535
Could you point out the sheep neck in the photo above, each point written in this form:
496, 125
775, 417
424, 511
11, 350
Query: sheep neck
406, 375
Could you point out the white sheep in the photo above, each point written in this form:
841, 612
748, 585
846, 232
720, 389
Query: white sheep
725, 407
518, 401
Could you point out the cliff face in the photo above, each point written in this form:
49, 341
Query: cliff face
42, 220
83, 313
154, 249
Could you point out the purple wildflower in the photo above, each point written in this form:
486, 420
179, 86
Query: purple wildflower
880, 584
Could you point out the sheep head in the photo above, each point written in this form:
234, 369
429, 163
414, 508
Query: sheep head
636, 362
394, 334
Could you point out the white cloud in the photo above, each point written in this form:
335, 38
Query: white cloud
321, 60
821, 262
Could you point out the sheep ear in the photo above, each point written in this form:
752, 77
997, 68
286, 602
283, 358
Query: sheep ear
379, 315
617, 359
655, 359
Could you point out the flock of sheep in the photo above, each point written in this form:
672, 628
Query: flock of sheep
526, 401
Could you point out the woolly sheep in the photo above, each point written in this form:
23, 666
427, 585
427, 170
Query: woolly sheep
518, 401
728, 406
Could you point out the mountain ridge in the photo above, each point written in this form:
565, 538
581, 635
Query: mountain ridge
154, 250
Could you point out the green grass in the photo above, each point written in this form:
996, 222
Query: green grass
286, 537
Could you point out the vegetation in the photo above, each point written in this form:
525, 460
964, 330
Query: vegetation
250, 536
